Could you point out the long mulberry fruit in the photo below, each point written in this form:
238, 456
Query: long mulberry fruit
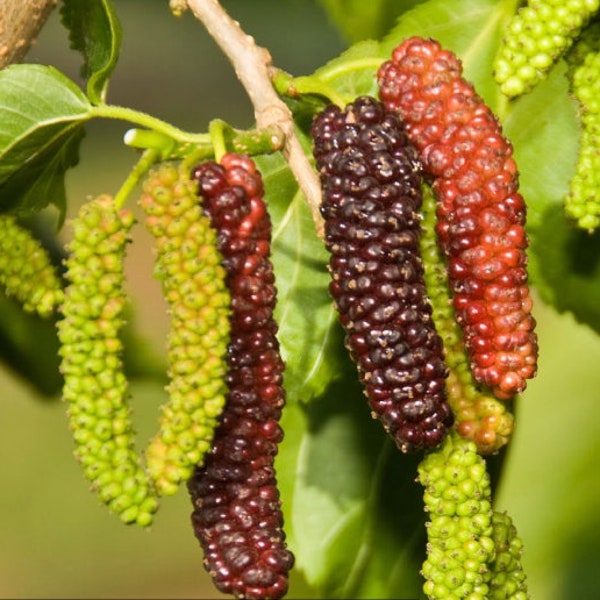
26, 271
582, 203
478, 415
508, 580
237, 514
481, 215
457, 497
371, 197
535, 38
193, 280
95, 386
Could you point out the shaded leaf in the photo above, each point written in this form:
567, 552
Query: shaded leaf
95, 31
308, 327
359, 20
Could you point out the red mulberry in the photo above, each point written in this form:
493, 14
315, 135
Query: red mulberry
478, 416
481, 215
237, 515
371, 197
193, 281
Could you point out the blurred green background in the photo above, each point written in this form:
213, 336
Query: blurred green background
57, 541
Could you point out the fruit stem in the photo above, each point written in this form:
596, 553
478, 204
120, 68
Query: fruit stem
294, 87
216, 129
122, 113
148, 158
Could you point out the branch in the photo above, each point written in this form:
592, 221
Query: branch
252, 67
20, 23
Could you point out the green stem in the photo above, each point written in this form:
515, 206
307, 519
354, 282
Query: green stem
148, 158
216, 129
121, 113
286, 85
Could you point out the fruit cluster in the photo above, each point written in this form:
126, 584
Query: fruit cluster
237, 511
478, 415
95, 386
193, 279
26, 271
481, 215
457, 497
582, 203
370, 179
535, 38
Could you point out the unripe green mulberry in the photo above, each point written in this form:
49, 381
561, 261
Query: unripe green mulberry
26, 270
193, 280
507, 576
535, 38
478, 415
94, 383
459, 532
582, 203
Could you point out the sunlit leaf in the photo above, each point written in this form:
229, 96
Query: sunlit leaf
41, 117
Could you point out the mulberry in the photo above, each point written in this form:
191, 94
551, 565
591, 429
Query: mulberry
370, 180
508, 580
26, 270
481, 215
457, 497
582, 203
535, 38
237, 515
193, 280
479, 416
95, 386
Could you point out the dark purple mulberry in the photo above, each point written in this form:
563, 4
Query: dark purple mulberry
481, 215
371, 197
237, 511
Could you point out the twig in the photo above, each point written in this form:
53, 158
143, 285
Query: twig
20, 23
251, 64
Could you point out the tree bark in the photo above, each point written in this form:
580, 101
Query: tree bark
20, 23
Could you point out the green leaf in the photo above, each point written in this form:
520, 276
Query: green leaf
95, 31
353, 510
359, 20
308, 327
42, 113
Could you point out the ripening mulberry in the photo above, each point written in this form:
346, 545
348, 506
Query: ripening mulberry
478, 415
237, 514
535, 38
95, 386
193, 280
26, 271
481, 215
370, 180
507, 578
457, 497
582, 203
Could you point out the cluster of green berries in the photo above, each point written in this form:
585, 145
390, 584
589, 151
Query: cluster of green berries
535, 38
508, 580
582, 203
478, 415
480, 213
193, 280
370, 177
26, 270
95, 386
460, 544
